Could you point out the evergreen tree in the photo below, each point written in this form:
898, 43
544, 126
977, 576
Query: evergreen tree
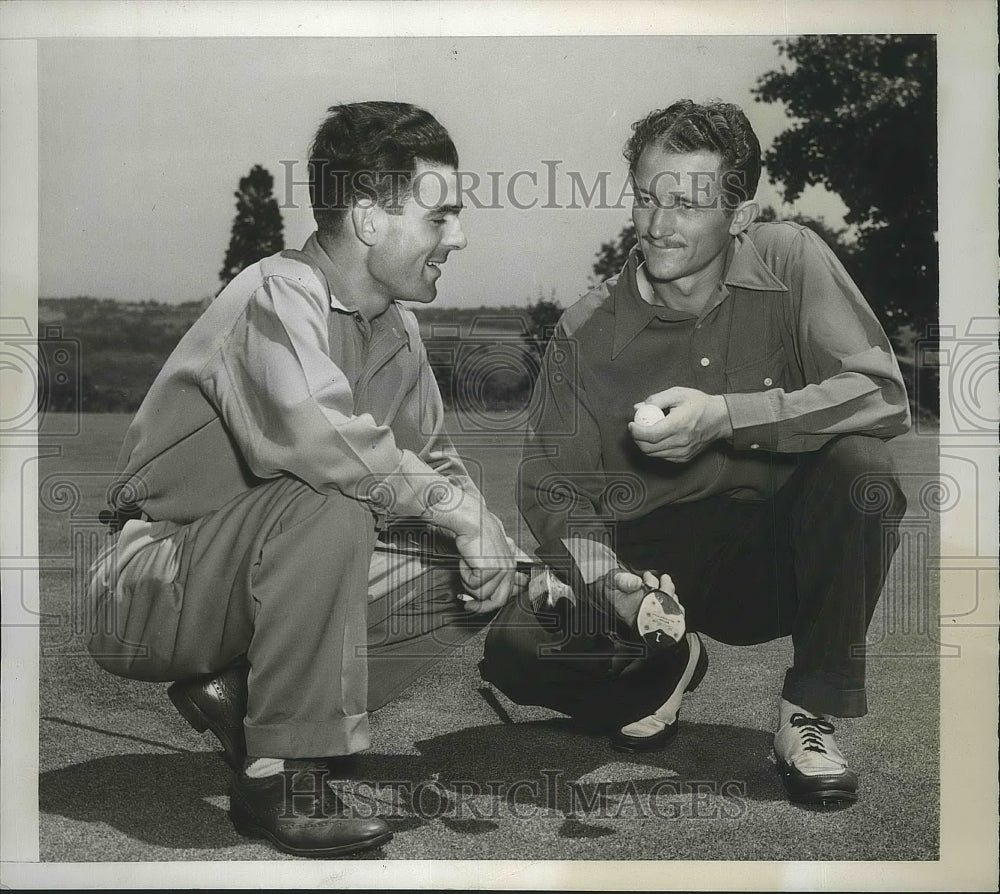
257, 227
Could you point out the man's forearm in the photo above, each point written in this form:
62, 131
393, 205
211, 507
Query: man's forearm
798, 421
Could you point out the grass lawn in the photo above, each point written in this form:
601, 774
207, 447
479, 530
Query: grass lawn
123, 778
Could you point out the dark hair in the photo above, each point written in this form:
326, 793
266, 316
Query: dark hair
370, 150
714, 126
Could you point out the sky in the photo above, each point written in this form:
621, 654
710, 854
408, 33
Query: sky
143, 143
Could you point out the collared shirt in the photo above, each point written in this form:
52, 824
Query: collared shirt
278, 377
786, 338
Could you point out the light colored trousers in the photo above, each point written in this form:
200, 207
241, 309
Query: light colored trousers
287, 577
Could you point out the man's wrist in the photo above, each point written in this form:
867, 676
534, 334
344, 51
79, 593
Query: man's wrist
464, 518
724, 424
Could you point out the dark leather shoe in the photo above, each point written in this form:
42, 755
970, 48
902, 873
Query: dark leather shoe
812, 767
298, 811
831, 790
650, 733
217, 702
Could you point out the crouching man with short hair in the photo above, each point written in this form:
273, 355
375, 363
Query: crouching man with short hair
295, 420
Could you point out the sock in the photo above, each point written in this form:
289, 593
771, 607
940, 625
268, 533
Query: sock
786, 709
259, 767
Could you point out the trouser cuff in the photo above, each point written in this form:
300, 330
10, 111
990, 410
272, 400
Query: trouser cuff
823, 692
346, 735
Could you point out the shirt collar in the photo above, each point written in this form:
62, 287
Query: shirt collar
746, 270
320, 259
631, 312
392, 318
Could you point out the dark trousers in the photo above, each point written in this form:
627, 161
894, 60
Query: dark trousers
809, 563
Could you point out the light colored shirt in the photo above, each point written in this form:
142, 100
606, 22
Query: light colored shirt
278, 377
788, 340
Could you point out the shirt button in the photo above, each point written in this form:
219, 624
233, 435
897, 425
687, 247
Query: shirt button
705, 361
754, 446
768, 381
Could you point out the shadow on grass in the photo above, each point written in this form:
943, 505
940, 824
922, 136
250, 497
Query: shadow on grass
157, 798
503, 771
470, 782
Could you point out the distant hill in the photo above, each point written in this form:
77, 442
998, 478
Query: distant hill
101, 356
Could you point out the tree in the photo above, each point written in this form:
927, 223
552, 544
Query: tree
611, 255
257, 227
865, 128
543, 315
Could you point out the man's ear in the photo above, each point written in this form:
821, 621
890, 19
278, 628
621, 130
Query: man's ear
744, 215
364, 219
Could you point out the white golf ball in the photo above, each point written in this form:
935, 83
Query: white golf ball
647, 414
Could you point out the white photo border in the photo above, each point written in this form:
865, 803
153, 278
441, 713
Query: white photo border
966, 35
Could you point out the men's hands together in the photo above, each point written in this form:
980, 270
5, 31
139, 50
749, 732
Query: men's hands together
694, 420
624, 590
488, 566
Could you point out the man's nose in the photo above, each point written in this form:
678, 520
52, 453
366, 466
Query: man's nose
661, 223
455, 238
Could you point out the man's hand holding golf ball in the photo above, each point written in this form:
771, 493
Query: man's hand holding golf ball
693, 421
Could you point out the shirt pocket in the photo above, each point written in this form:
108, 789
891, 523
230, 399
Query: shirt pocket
758, 375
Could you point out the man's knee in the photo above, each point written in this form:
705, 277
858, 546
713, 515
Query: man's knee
317, 518
512, 647
306, 504
853, 455
863, 468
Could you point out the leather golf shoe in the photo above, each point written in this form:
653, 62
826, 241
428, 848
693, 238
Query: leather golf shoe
298, 811
811, 765
659, 728
216, 702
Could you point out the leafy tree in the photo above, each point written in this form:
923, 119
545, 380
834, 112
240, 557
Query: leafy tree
257, 227
865, 128
611, 255
543, 315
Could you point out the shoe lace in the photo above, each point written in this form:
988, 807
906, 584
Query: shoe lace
812, 730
